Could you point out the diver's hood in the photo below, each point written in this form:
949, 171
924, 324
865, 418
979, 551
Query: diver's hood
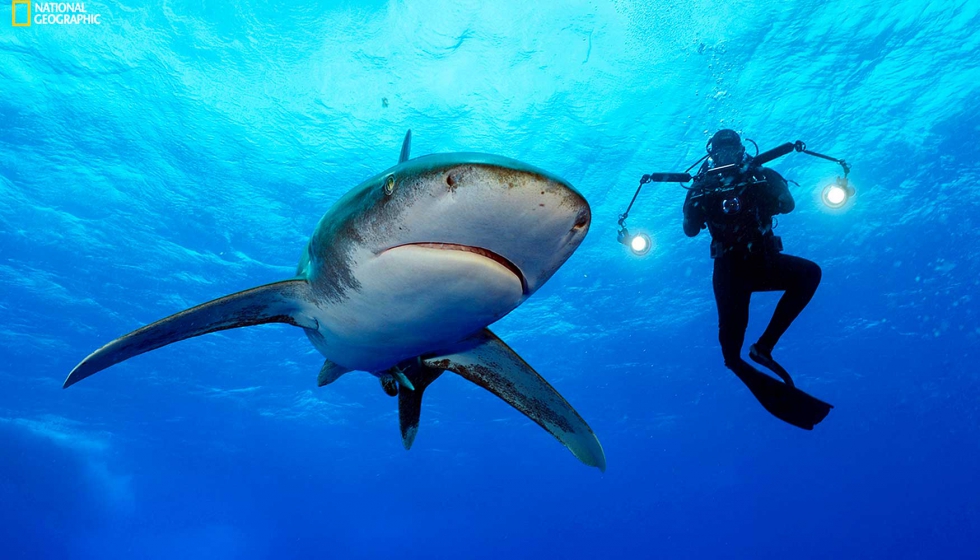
725, 148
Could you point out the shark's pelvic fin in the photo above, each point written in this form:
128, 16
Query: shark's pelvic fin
403, 380
419, 376
329, 373
389, 384
485, 360
281, 302
406, 147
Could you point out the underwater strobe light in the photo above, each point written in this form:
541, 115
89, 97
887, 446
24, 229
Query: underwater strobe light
640, 244
836, 194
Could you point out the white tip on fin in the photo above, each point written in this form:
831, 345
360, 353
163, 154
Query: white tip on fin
280, 302
485, 360
408, 436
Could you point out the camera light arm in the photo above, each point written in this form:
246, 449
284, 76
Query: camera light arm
759, 159
800, 146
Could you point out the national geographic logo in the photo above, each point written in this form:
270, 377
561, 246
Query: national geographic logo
24, 13
21, 13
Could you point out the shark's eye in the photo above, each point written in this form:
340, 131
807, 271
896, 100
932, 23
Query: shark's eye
389, 184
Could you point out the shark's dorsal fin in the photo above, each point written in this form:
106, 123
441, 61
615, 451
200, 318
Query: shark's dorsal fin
406, 147
485, 360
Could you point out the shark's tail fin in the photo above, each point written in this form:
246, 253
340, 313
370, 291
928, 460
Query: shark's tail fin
419, 376
486, 361
281, 302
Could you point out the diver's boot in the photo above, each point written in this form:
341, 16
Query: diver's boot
763, 357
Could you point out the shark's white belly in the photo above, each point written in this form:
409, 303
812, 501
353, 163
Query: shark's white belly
414, 300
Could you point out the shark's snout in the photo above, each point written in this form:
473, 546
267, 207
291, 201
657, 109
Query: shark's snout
583, 219
529, 217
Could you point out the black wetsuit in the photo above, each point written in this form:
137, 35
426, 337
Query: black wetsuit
738, 211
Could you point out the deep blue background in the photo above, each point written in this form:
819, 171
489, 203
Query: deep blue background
175, 154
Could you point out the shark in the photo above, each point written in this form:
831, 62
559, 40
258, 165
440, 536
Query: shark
402, 277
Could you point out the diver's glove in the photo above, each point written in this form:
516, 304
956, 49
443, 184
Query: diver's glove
694, 215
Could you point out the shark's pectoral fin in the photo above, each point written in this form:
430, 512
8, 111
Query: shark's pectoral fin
281, 302
485, 360
419, 376
329, 373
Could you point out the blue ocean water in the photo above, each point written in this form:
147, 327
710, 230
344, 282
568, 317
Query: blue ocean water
180, 151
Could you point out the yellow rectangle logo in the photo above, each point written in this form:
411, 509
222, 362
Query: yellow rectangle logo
26, 11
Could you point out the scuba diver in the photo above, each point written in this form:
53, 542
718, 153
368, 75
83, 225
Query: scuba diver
737, 206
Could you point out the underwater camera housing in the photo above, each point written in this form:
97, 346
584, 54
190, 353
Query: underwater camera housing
723, 189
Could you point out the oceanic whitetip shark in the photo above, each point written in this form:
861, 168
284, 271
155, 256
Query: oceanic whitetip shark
401, 278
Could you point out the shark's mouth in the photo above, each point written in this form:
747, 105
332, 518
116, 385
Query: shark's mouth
485, 253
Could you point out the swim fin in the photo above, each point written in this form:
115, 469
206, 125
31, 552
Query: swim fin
783, 401
765, 360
